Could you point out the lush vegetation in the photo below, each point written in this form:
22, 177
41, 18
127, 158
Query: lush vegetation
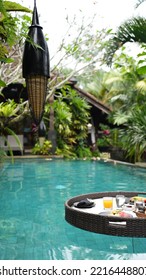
70, 123
122, 87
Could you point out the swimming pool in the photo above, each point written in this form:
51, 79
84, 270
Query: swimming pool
32, 197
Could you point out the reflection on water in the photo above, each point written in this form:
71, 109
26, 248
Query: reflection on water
32, 196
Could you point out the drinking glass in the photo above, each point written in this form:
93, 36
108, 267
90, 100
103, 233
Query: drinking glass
120, 200
107, 203
138, 205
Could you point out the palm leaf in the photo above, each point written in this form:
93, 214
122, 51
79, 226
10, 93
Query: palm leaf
13, 6
132, 30
141, 85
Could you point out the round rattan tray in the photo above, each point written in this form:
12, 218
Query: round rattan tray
111, 225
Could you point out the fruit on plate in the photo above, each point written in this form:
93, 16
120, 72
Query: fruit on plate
116, 212
138, 198
125, 215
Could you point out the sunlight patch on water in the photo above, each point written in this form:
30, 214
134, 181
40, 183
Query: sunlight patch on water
60, 187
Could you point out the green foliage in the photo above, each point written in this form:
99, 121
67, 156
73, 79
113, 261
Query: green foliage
83, 152
119, 117
104, 141
142, 58
126, 87
132, 30
80, 116
130, 96
10, 26
63, 118
8, 109
12, 29
66, 151
71, 119
2, 9
96, 86
133, 136
2, 83
3, 52
42, 149
109, 137
121, 86
12, 6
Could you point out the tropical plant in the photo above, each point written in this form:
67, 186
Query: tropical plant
97, 85
84, 152
44, 149
120, 87
132, 30
128, 110
133, 134
70, 122
126, 85
80, 115
65, 151
109, 137
9, 114
8, 110
13, 29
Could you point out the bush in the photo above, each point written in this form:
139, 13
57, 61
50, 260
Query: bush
42, 150
83, 152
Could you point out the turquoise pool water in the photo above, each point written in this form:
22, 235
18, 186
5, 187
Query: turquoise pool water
32, 196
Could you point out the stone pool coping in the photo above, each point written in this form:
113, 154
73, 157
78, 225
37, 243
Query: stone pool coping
50, 157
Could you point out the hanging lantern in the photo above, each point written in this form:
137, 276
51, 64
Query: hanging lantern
36, 67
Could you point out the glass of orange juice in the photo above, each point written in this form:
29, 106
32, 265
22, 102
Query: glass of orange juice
107, 203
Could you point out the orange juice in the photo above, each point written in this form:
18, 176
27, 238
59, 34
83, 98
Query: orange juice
107, 202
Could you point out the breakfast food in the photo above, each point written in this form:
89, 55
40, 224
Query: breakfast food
116, 212
138, 198
122, 213
125, 214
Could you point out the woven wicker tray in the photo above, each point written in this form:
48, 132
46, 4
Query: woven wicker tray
111, 225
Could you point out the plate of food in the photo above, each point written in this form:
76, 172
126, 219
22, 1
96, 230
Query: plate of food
105, 213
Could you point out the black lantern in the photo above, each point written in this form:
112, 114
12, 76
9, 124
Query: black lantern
36, 67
